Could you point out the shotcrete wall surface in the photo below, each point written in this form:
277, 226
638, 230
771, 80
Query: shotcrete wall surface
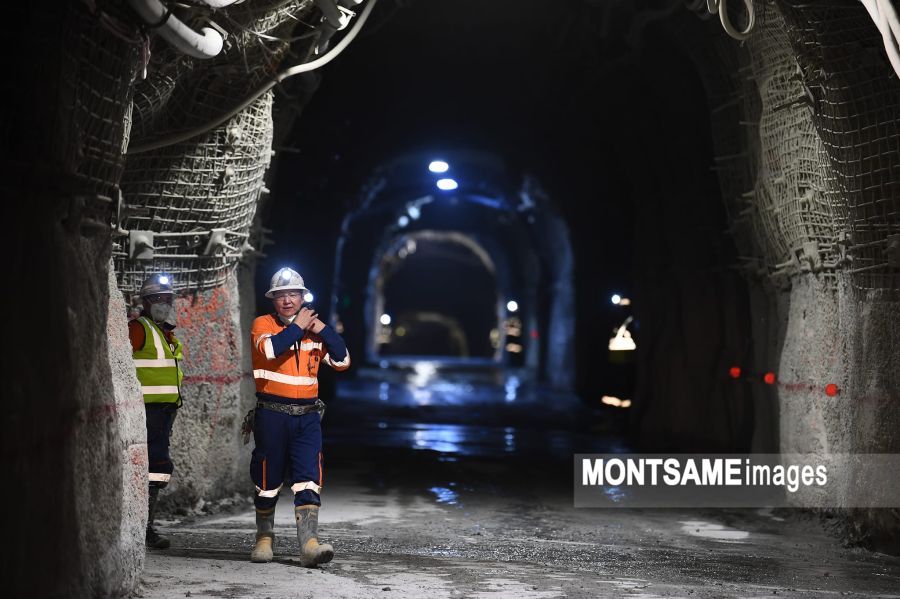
210, 459
811, 187
850, 338
125, 558
74, 462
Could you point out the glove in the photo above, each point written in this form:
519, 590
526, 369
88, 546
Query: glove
247, 425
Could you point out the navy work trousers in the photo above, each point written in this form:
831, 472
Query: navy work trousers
287, 447
160, 418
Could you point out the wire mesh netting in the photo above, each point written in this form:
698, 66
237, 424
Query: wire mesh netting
97, 74
796, 220
805, 117
809, 171
856, 109
198, 197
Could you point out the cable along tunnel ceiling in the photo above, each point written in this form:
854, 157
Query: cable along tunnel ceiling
189, 206
803, 177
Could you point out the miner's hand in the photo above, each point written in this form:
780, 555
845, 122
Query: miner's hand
317, 326
305, 318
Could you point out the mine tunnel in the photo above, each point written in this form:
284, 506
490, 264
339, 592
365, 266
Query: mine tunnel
541, 229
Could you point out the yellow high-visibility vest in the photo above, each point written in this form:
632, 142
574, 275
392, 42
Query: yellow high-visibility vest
157, 365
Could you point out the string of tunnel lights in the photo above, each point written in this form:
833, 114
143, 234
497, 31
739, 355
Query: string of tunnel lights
414, 209
440, 167
770, 378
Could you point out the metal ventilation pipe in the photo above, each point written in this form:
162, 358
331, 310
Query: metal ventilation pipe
219, 3
154, 13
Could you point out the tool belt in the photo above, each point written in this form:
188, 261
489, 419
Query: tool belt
293, 409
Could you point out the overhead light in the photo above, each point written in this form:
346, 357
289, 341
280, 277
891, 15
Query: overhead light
619, 300
769, 378
734, 372
438, 166
385, 319
403, 220
512, 305
414, 212
447, 184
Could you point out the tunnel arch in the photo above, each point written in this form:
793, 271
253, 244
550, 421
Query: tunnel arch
381, 271
541, 270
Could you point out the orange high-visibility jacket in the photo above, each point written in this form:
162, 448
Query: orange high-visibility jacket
293, 374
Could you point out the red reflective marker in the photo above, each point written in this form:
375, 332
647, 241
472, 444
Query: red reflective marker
534, 334
734, 372
831, 390
769, 378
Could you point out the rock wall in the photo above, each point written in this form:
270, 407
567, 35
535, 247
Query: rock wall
806, 119
72, 449
124, 556
210, 459
850, 338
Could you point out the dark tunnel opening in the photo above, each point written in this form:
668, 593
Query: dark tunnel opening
439, 299
624, 161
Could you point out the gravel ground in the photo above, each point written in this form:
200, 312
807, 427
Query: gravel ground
425, 523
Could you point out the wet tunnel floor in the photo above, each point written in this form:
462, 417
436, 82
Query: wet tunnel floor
432, 508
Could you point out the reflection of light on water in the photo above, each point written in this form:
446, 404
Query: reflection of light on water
615, 494
512, 387
424, 372
382, 425
383, 391
509, 440
436, 437
710, 530
444, 495
421, 396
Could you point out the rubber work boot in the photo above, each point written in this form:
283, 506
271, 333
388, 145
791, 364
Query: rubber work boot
154, 540
265, 536
311, 553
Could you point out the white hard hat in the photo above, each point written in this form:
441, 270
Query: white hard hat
285, 279
157, 284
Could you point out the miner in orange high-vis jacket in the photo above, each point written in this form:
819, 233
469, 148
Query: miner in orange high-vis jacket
288, 348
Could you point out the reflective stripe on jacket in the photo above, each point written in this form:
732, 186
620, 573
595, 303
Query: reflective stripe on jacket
157, 365
294, 373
